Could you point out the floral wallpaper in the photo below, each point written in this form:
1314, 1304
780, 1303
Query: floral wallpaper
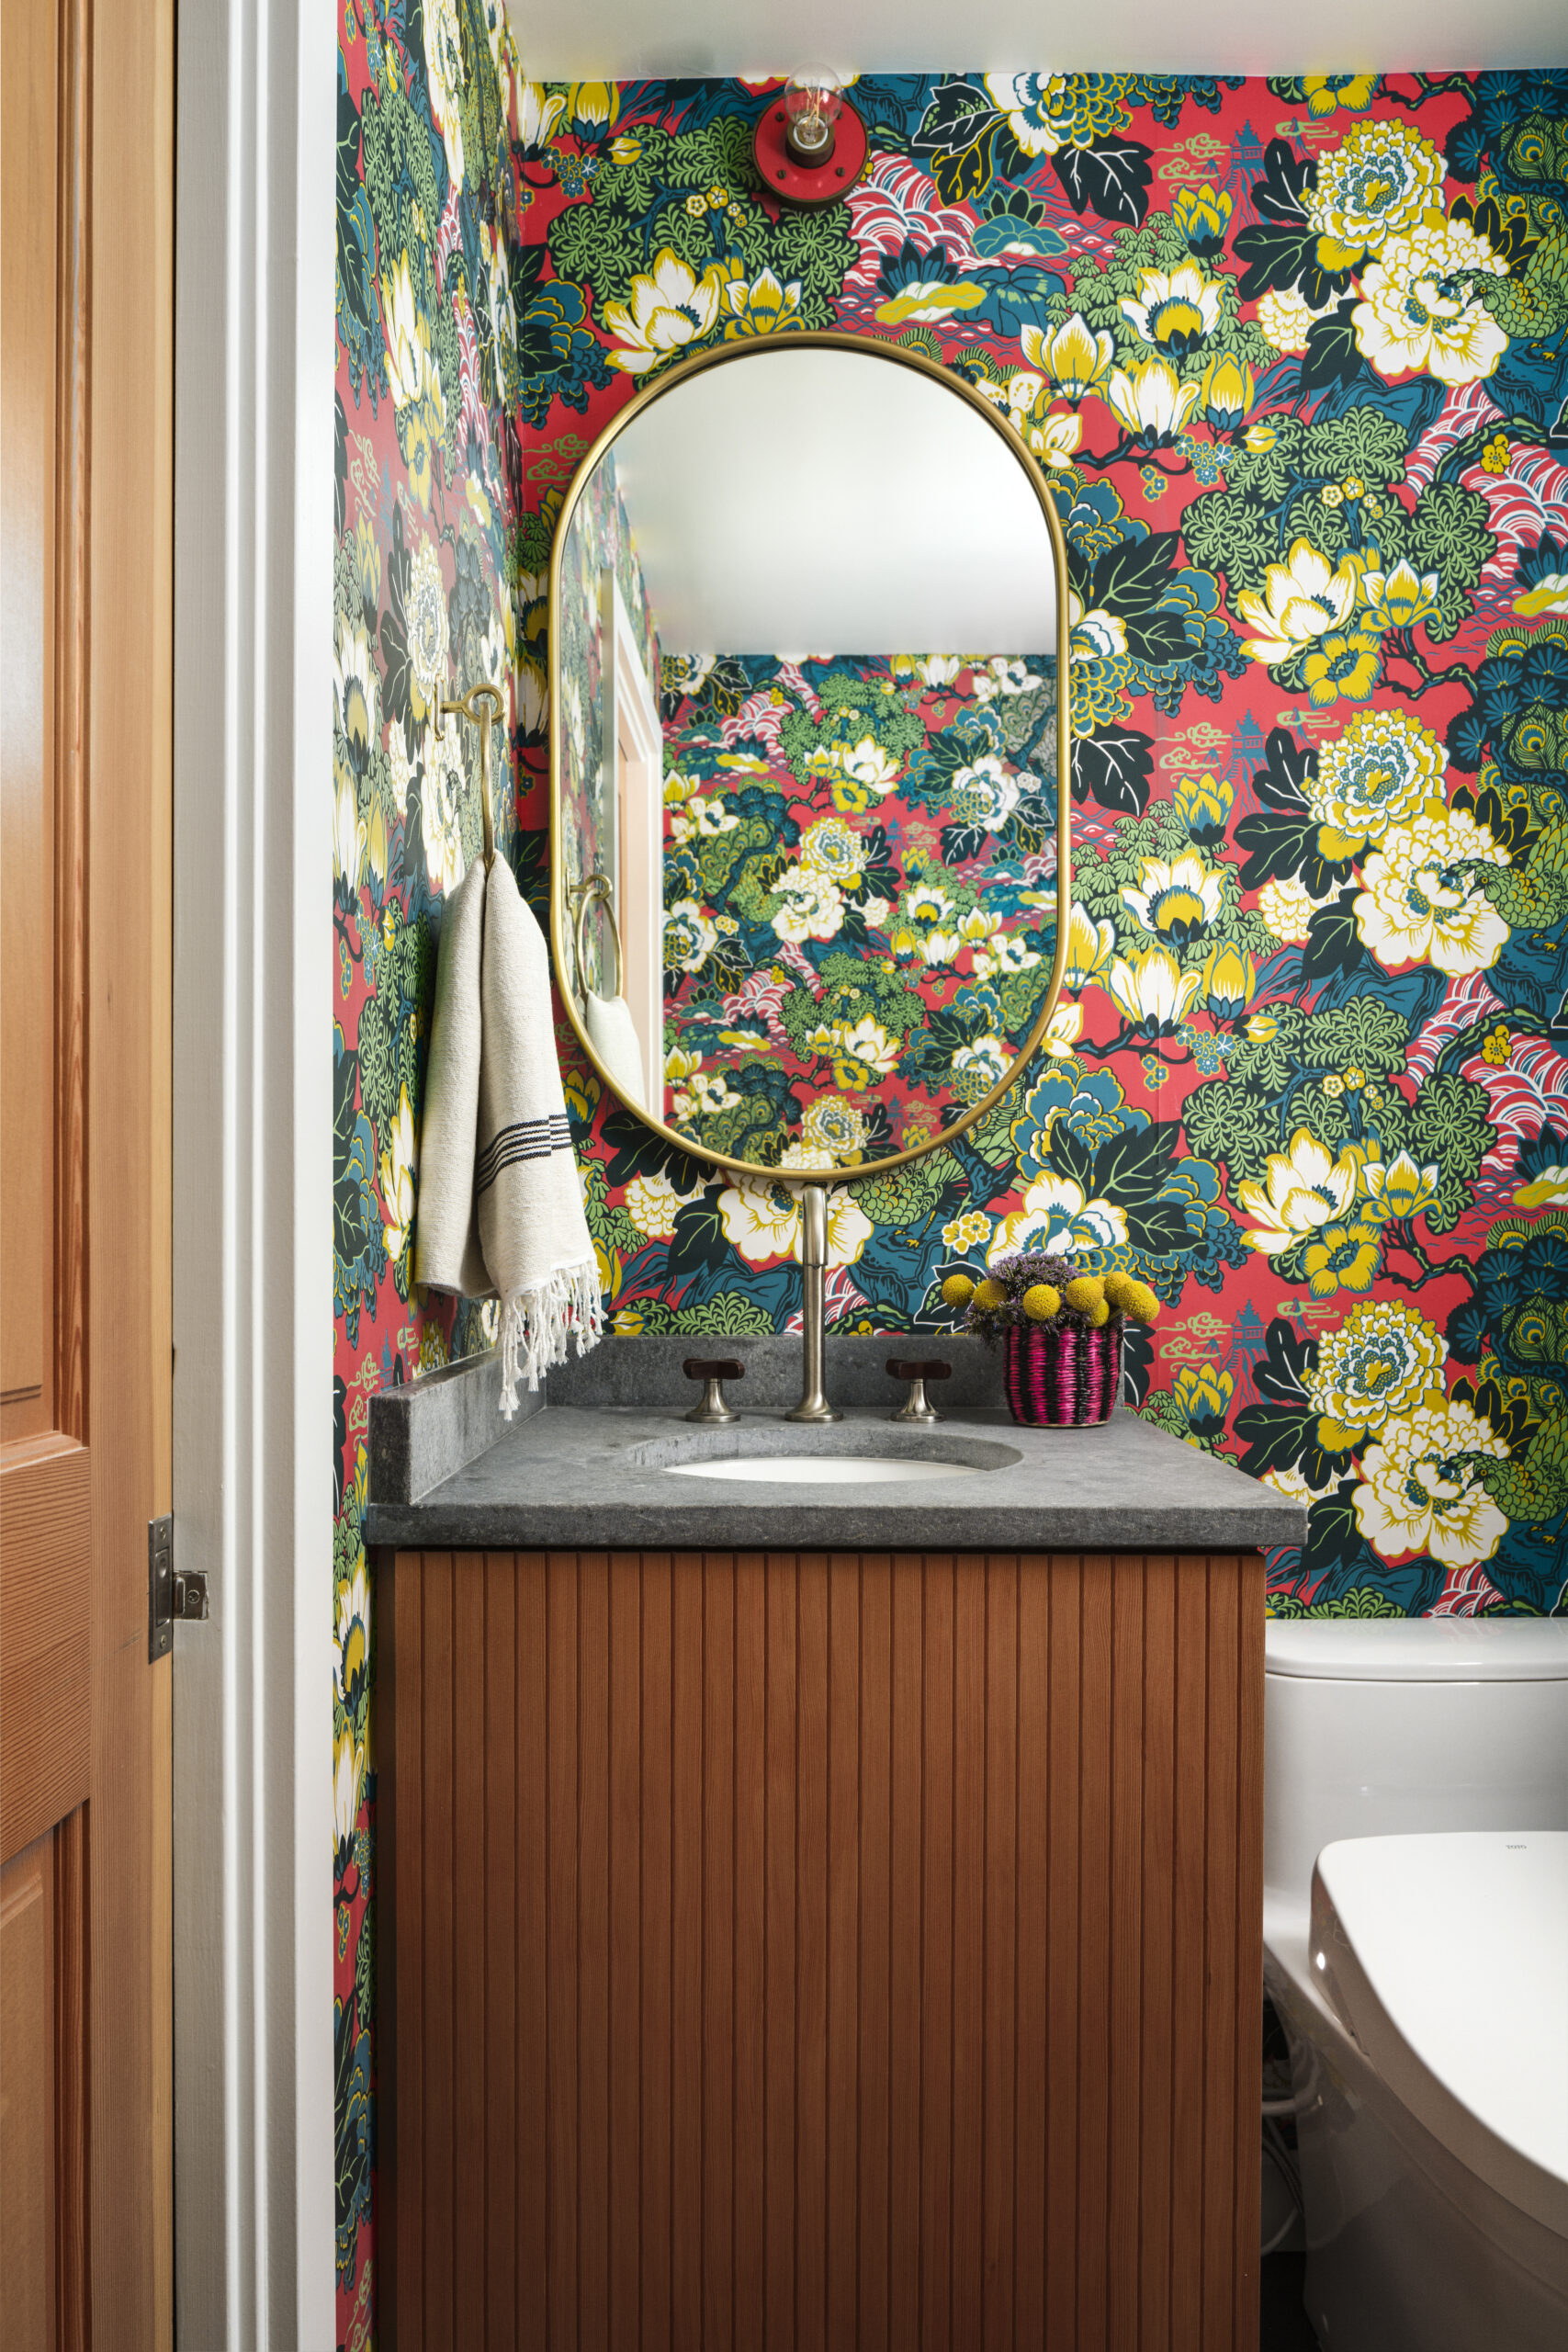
859, 895
1293, 356
429, 490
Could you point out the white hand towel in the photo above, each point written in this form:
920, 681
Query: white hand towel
500, 1204
612, 1033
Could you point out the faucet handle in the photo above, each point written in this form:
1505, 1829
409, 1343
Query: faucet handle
916, 1372
713, 1407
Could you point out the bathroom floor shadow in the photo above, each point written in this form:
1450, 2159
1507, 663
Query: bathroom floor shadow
1284, 2326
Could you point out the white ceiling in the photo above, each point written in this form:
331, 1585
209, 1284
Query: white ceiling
623, 40
831, 501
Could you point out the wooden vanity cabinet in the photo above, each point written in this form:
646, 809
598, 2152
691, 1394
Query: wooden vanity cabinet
820, 1950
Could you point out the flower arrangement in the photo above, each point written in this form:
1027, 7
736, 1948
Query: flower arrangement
1040, 1291
1061, 1334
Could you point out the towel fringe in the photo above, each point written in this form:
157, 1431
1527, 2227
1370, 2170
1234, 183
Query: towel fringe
535, 1324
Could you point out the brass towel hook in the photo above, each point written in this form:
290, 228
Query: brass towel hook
482, 703
597, 886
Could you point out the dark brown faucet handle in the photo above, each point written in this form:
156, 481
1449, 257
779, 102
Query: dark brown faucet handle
930, 1368
720, 1368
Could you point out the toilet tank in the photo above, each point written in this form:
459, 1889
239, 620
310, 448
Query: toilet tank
1408, 1724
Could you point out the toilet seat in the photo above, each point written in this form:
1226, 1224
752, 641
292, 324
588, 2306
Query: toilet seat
1445, 1955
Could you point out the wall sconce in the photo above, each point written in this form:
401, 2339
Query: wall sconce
810, 144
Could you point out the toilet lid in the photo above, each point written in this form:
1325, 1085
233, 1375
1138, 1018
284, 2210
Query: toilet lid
1447, 1956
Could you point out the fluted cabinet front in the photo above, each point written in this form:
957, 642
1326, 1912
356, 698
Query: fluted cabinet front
792, 1951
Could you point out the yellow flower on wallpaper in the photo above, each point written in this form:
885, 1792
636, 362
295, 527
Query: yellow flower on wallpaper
1400, 1189
413, 379
1075, 355
1304, 598
1064, 1029
1057, 436
1342, 1257
1377, 773
1174, 310
766, 306
1153, 990
1382, 1357
1178, 897
399, 1161
1377, 182
669, 308
1305, 1189
350, 1654
1331, 93
1402, 598
1342, 667
538, 111
1418, 1492
1203, 215
1151, 399
1090, 946
865, 1053
1547, 594
1548, 1188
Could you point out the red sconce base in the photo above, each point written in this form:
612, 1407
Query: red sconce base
796, 182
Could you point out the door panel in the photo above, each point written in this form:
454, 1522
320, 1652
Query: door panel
85, 352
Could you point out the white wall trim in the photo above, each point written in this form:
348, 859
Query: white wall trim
255, 363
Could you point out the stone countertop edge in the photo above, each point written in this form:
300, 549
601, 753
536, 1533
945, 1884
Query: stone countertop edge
597, 1479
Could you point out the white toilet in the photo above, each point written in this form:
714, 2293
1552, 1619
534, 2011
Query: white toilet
1415, 1945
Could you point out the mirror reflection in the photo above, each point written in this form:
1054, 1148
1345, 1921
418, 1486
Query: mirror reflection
806, 887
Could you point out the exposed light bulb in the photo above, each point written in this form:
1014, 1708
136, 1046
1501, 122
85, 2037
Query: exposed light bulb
813, 102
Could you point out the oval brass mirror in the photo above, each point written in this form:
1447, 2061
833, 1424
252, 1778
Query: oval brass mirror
810, 879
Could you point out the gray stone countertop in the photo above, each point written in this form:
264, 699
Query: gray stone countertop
598, 1477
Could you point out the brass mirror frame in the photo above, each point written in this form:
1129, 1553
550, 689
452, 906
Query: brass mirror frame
895, 355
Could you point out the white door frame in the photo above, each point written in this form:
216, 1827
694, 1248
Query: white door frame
631, 714
255, 228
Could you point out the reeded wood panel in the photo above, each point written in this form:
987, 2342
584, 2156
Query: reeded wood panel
797, 1950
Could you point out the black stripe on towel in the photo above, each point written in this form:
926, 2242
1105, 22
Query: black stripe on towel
551, 1134
514, 1145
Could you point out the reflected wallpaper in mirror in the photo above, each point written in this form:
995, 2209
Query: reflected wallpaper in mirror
858, 911
809, 902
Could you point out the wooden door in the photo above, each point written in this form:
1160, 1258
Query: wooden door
86, 252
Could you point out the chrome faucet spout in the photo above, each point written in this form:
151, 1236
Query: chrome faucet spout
813, 1405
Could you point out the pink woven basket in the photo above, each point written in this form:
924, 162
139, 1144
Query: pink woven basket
1062, 1379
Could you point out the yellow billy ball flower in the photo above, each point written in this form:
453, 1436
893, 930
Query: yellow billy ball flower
1146, 1306
1097, 1315
958, 1290
1120, 1289
1042, 1302
990, 1294
1086, 1292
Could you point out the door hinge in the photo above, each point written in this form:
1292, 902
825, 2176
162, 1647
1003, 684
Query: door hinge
168, 1596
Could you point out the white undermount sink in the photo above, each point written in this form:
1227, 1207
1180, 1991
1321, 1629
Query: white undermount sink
826, 1469
774, 1453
